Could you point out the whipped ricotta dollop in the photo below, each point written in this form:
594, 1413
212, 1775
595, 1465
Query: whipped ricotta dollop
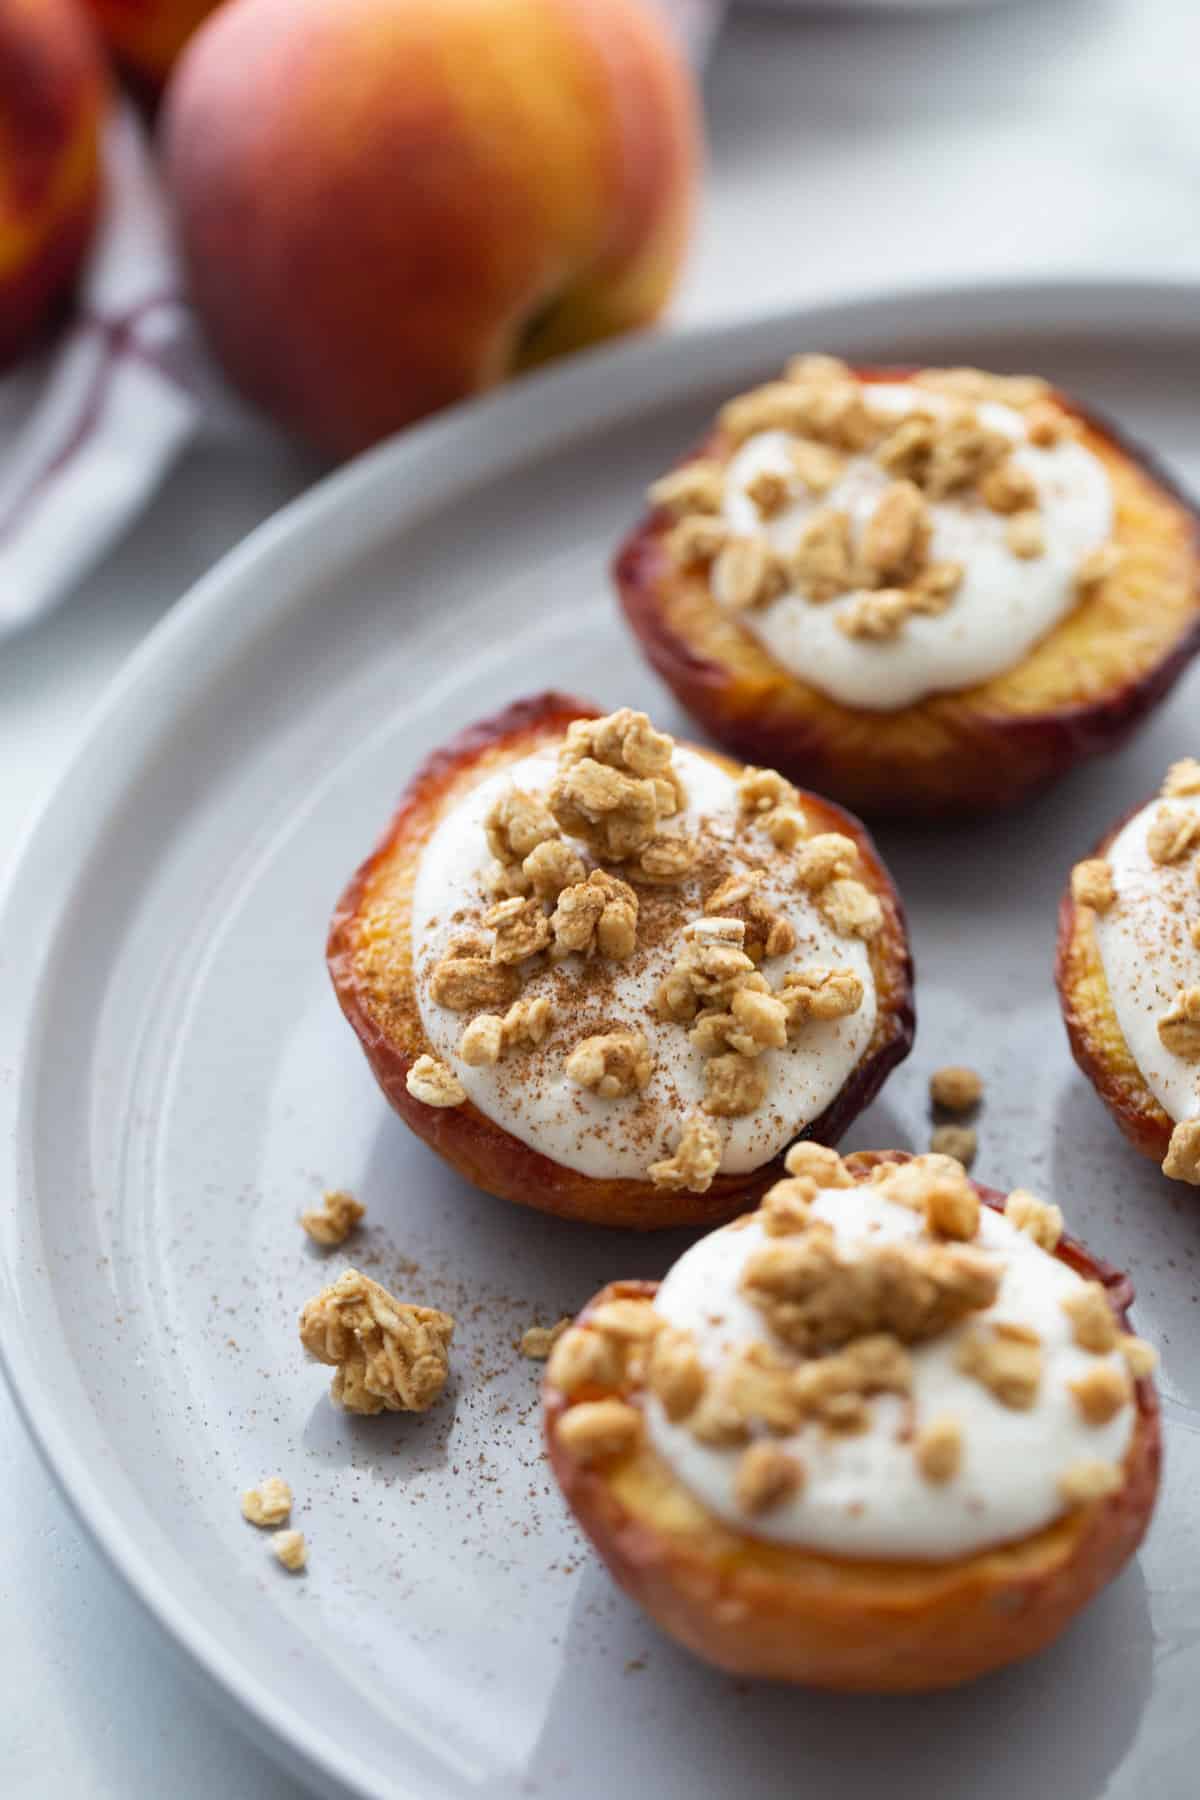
1005, 603
529, 1092
1149, 952
864, 1495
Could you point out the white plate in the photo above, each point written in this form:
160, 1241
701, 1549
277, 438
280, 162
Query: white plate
176, 1082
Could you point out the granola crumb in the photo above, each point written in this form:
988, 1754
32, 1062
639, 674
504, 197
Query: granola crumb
1038, 1219
521, 929
599, 1431
956, 1088
583, 1359
388, 1356
1182, 1161
1091, 1478
1172, 833
332, 1222
785, 1207
1093, 1324
613, 1066
821, 562
939, 1449
1183, 779
734, 1085
852, 908
1101, 1392
767, 1477
959, 1141
675, 1373
951, 1204
696, 1158
1008, 488
812, 991
762, 790
463, 982
814, 366
875, 618
1092, 884
482, 1041
269, 1503
896, 536
431, 1082
816, 466
768, 490
630, 1321
1141, 1358
1026, 536
537, 1341
696, 540
696, 487
1046, 424
289, 1548
746, 573
597, 916
1179, 1026
1006, 1359
830, 856
818, 1162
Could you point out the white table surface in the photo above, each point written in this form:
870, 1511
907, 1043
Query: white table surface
1034, 138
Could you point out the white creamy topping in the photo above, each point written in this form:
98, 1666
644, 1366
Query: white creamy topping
528, 1091
865, 1495
1148, 953
1005, 603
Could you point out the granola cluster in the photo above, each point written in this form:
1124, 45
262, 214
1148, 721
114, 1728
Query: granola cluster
730, 1011
332, 1222
841, 1331
616, 783
579, 871
935, 452
388, 1356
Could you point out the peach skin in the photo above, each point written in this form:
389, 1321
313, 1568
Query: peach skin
384, 208
52, 99
777, 1610
147, 35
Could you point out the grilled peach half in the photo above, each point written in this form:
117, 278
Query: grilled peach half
1081, 691
765, 1609
1098, 1043
370, 959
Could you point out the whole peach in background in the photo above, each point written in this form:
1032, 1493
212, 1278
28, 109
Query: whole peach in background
52, 97
386, 205
147, 35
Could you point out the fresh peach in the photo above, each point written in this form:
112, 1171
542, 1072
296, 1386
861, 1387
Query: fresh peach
385, 206
147, 35
52, 96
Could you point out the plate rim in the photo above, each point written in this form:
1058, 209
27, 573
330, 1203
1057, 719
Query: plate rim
589, 393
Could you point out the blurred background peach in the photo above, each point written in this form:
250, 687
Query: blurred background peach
53, 87
385, 206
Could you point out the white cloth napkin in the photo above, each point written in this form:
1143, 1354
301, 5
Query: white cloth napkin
89, 429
